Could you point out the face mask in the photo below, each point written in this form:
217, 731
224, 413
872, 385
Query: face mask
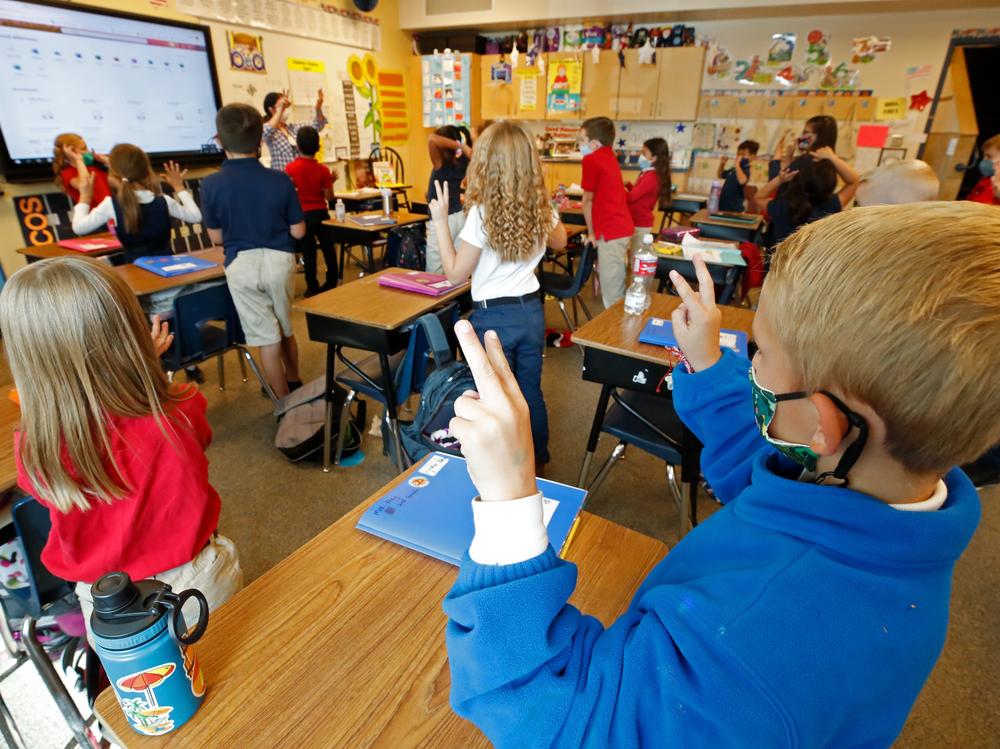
804, 142
765, 403
645, 163
88, 158
986, 167
585, 149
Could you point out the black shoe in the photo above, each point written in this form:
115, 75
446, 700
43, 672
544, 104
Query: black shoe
194, 374
294, 385
312, 292
330, 284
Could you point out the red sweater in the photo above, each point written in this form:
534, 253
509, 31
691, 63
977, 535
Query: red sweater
983, 192
642, 198
101, 187
166, 519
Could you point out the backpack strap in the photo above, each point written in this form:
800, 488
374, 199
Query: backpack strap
429, 328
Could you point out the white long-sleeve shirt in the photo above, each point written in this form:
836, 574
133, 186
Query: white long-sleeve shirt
87, 220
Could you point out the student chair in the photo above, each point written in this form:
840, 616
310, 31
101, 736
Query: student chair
564, 286
675, 207
387, 153
199, 336
726, 277
51, 601
650, 423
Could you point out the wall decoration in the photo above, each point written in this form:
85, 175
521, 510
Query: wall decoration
552, 37
364, 75
794, 75
647, 53
527, 100
571, 39
919, 102
351, 115
721, 64
246, 52
500, 73
867, 48
445, 89
703, 136
889, 155
564, 85
781, 49
392, 95
891, 109
872, 136
750, 72
840, 78
817, 53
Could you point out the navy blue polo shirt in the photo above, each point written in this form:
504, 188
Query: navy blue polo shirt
252, 205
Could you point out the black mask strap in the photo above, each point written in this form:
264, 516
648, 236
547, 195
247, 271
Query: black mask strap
853, 452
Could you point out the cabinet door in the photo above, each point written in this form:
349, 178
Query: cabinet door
537, 112
637, 87
496, 99
600, 85
679, 88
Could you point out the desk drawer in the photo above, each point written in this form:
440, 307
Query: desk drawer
623, 371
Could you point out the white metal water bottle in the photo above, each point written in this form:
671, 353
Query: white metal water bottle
643, 269
713, 196
340, 210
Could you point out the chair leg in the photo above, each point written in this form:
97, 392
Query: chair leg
562, 309
243, 368
345, 417
256, 372
9, 643
222, 371
55, 686
8, 728
617, 454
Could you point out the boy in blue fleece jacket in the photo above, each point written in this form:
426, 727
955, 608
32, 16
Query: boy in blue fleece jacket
809, 611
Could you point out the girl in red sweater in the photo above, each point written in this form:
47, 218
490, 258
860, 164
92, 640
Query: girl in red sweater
74, 164
114, 450
652, 189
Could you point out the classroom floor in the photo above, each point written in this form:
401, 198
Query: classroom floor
271, 507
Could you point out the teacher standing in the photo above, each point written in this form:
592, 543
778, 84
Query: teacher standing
279, 134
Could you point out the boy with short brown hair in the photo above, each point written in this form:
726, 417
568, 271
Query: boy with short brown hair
605, 206
810, 609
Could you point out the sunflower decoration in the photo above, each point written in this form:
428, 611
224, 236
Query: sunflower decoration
364, 75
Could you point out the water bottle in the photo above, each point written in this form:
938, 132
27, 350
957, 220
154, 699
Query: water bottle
643, 269
386, 201
144, 646
340, 210
713, 196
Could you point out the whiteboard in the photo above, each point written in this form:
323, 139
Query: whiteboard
250, 87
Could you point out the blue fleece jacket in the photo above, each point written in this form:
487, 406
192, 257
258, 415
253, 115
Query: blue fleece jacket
796, 616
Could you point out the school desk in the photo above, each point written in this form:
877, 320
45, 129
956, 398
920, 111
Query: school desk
143, 282
45, 251
747, 228
342, 644
613, 357
347, 233
363, 315
10, 417
355, 200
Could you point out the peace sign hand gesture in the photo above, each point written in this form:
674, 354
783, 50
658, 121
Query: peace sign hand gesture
697, 320
493, 424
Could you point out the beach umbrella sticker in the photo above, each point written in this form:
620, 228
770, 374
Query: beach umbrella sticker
146, 681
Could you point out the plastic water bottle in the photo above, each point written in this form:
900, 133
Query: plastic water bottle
386, 201
143, 643
713, 196
643, 270
340, 210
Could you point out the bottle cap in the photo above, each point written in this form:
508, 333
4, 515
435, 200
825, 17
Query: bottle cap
113, 592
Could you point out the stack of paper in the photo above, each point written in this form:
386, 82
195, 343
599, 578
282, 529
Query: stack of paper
721, 253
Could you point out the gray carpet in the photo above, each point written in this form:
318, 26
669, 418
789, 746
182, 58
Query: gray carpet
271, 507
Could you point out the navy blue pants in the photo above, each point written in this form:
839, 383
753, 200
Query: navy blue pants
521, 328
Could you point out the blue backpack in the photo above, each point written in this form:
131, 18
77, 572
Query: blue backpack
442, 387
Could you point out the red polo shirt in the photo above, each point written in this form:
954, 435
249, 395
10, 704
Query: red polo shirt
101, 187
983, 192
312, 180
603, 177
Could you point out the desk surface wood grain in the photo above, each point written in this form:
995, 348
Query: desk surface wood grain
342, 644
144, 282
614, 331
366, 303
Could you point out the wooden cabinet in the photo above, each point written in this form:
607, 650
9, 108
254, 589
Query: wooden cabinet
679, 83
600, 85
497, 100
638, 86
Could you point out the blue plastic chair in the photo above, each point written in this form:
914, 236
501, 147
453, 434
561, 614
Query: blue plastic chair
564, 286
205, 324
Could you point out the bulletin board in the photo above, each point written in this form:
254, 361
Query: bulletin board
446, 89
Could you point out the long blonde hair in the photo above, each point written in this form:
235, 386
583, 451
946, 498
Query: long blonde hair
79, 351
59, 161
505, 180
130, 171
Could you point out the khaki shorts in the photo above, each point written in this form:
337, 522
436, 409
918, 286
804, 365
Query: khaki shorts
216, 572
262, 283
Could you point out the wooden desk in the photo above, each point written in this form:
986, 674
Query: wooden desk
45, 251
361, 314
144, 282
754, 220
347, 233
613, 357
342, 644
10, 417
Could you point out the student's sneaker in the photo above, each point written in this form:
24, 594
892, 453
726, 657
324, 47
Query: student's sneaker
194, 374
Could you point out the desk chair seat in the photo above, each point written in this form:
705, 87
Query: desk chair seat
650, 423
565, 287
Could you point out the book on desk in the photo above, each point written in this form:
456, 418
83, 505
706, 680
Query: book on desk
169, 266
431, 512
660, 332
431, 284
90, 244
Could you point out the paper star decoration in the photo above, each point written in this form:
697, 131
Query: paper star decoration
621, 143
920, 101
513, 56
680, 128
541, 65
647, 53
595, 53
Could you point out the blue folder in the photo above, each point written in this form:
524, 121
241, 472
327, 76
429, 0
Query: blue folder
431, 512
173, 265
660, 332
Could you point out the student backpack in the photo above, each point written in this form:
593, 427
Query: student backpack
444, 384
406, 247
302, 416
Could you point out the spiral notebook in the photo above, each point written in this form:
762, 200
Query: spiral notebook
431, 511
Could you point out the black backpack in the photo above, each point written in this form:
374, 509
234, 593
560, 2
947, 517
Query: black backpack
406, 247
445, 383
301, 418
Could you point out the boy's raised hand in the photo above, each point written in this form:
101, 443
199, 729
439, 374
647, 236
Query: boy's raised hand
697, 320
493, 424
438, 206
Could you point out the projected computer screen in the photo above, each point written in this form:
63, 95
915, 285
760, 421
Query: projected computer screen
111, 78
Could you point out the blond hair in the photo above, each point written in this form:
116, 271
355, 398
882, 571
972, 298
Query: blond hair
130, 167
898, 182
59, 161
506, 182
80, 351
899, 306
992, 144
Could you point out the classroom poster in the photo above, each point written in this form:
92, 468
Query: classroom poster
891, 109
528, 96
565, 84
445, 89
392, 94
246, 52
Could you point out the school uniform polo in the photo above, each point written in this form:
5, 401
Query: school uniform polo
101, 187
983, 192
311, 180
782, 225
603, 177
